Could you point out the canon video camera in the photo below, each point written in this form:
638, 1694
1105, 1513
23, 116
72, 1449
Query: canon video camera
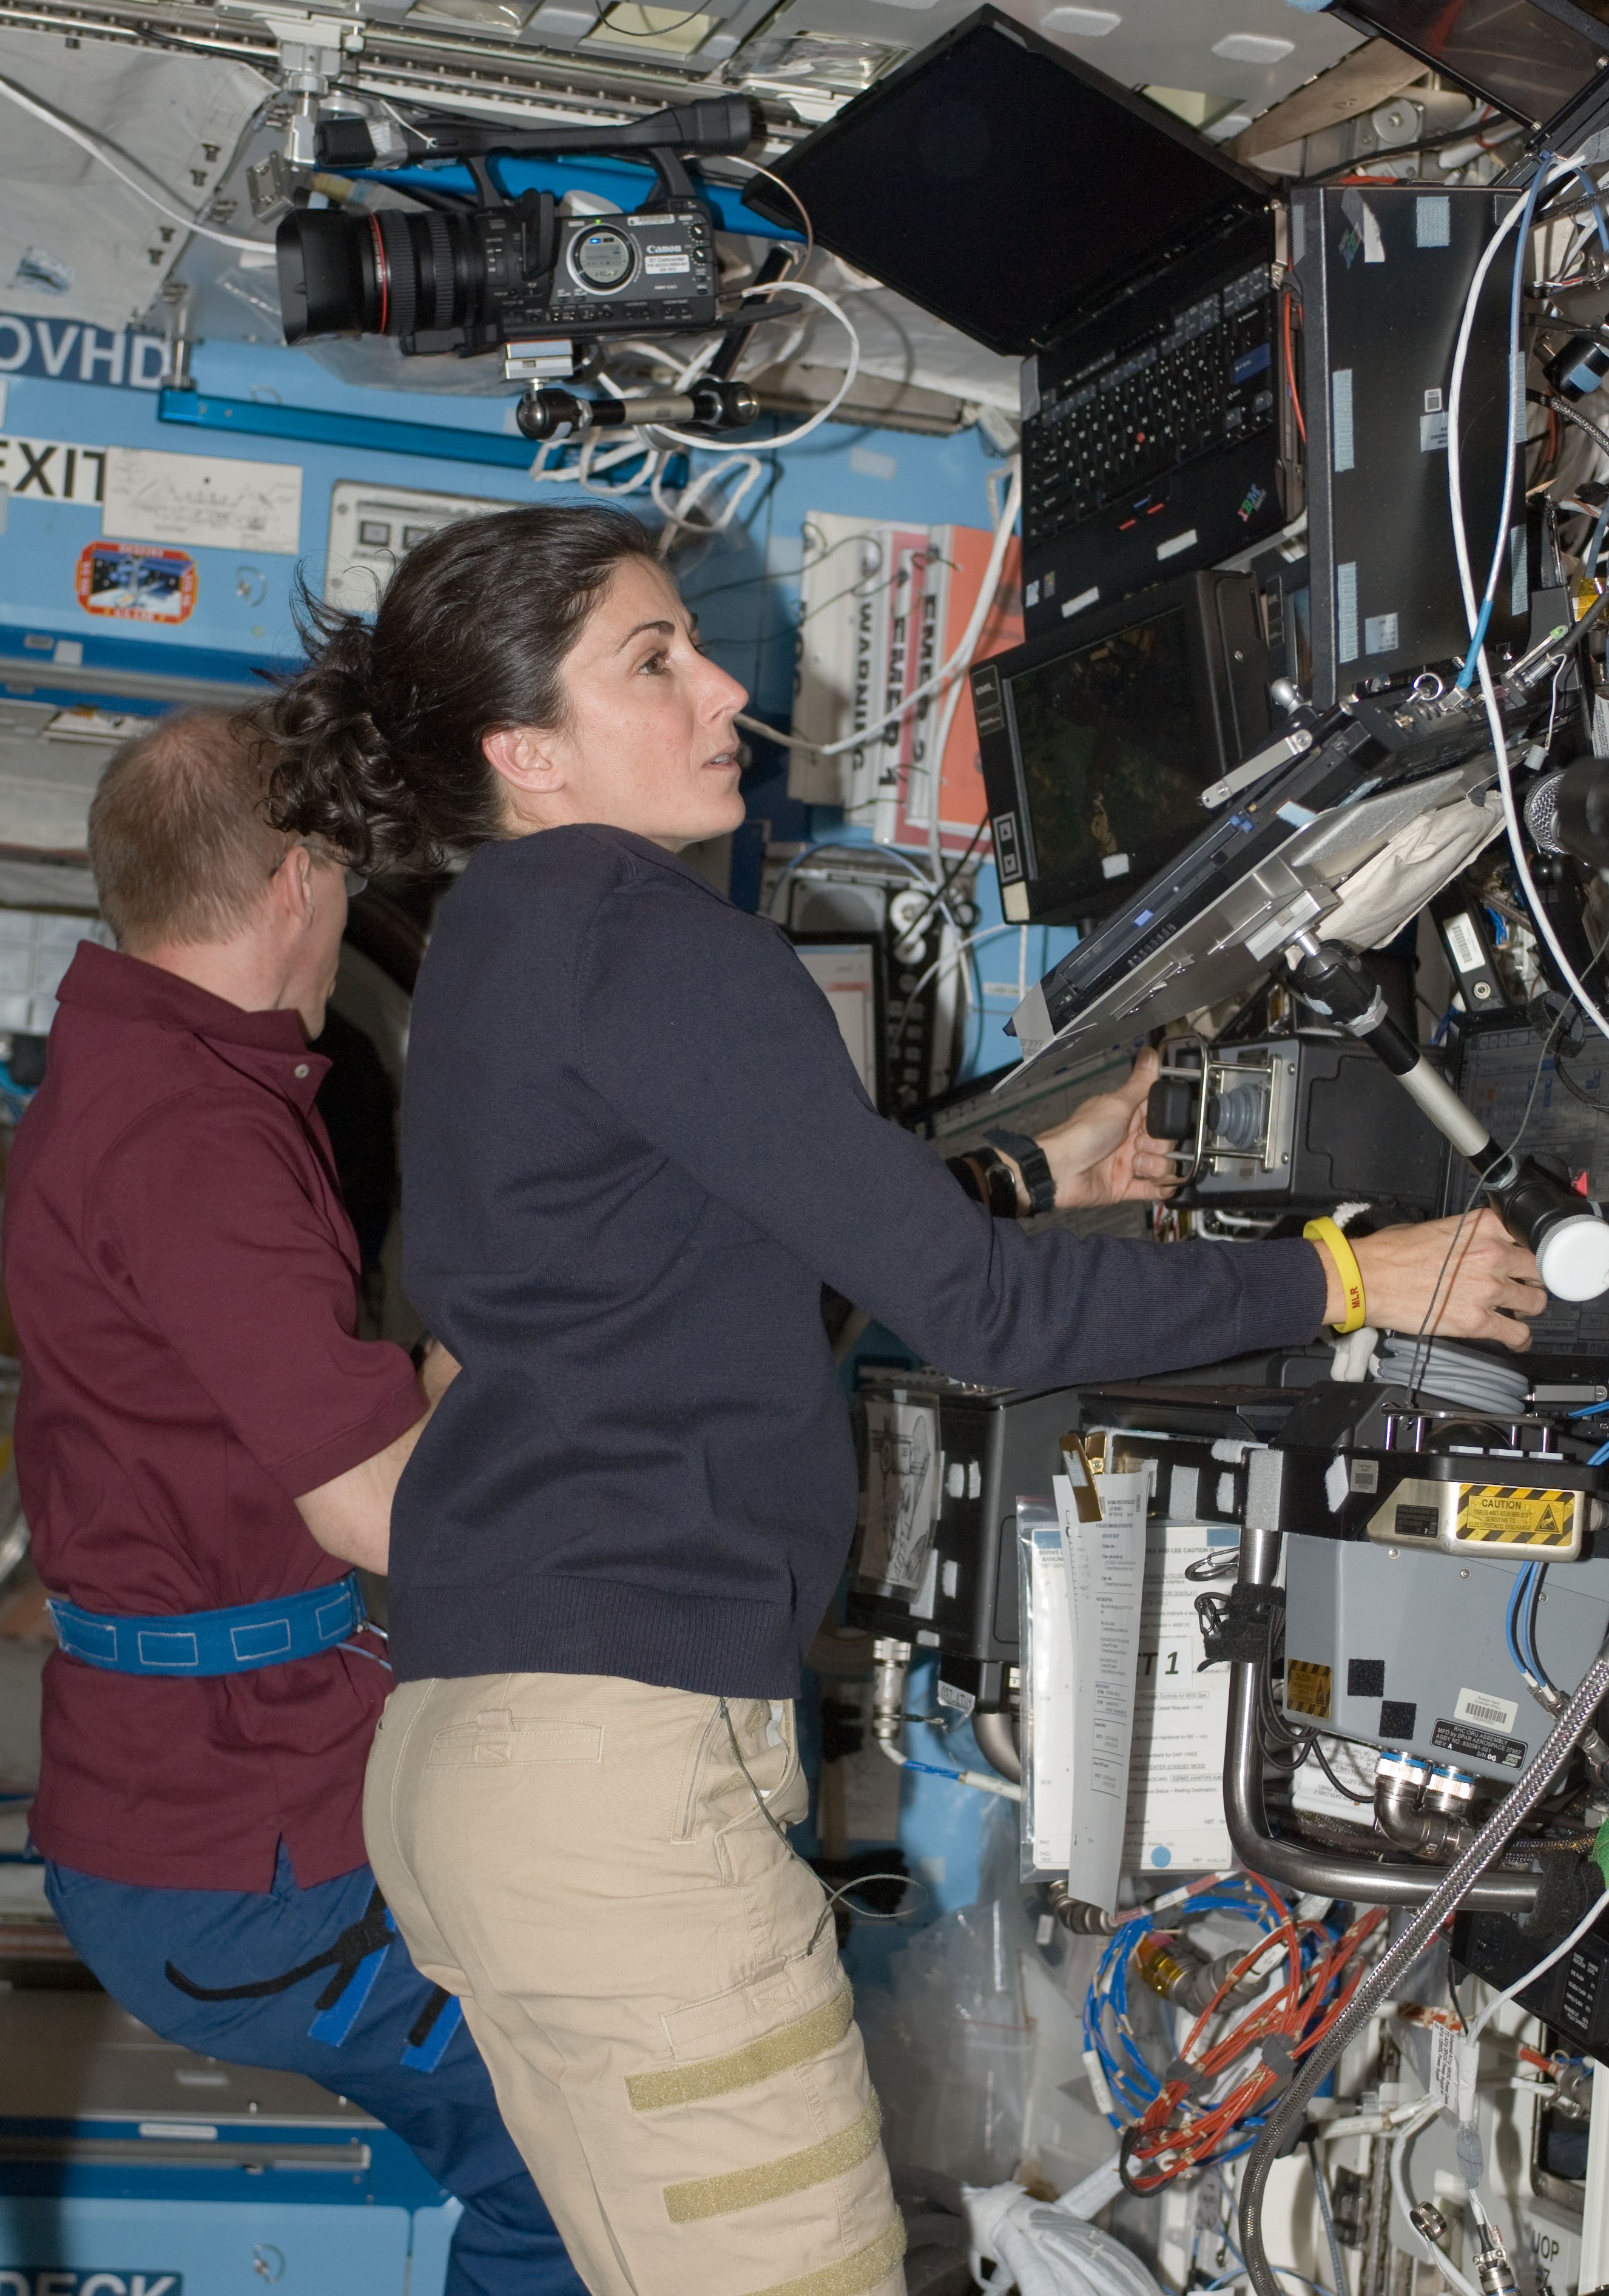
500, 271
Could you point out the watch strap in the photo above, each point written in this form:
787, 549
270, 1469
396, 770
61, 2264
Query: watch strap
1031, 1162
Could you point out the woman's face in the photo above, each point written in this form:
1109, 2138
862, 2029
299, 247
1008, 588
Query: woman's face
648, 743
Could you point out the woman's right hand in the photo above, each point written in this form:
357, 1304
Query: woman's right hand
1454, 1279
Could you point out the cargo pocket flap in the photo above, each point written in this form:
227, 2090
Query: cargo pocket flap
491, 1745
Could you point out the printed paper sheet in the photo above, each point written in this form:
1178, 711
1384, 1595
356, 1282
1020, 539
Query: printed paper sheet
1175, 1808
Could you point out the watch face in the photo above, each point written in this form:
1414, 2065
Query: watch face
603, 259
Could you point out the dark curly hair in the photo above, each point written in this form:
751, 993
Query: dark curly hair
377, 743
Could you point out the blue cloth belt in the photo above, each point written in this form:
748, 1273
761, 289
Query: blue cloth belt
236, 1641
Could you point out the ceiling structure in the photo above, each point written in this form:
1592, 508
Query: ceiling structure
192, 97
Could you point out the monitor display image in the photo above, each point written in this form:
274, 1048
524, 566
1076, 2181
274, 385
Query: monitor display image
1113, 760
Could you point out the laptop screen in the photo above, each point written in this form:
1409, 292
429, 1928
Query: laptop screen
1112, 758
1525, 59
1005, 187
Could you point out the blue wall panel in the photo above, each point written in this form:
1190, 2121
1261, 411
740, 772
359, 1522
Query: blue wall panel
209, 2251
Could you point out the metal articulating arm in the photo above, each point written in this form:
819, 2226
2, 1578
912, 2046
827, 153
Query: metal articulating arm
1318, 1871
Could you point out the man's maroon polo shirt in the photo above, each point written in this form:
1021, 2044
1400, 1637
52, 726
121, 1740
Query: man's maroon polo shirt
183, 1282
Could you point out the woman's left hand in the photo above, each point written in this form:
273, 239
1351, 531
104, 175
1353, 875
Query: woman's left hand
1103, 1154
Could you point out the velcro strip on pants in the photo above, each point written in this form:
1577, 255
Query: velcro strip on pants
866, 2269
774, 2180
809, 2035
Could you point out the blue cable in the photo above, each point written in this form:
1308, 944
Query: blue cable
1132, 2083
1599, 1455
1289, 2270
1515, 1593
1528, 1624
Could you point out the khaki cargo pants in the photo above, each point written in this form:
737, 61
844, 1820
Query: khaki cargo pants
582, 1861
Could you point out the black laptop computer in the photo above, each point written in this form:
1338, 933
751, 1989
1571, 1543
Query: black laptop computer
1056, 217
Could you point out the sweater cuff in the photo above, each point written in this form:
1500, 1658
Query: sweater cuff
1283, 1295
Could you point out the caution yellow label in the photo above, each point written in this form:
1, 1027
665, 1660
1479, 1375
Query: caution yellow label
1503, 1514
1307, 1688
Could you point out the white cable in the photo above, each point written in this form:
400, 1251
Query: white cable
678, 521
812, 854
1003, 1787
1442, 2262
37, 111
954, 668
789, 438
952, 958
935, 775
1591, 1914
1494, 717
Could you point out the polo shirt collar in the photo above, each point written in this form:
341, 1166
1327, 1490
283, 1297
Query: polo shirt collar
269, 1045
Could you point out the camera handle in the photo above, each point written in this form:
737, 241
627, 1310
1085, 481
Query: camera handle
707, 125
1567, 1233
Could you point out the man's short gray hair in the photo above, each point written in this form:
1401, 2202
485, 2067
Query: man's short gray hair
179, 839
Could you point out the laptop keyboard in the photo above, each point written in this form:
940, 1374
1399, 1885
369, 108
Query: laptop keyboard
1202, 381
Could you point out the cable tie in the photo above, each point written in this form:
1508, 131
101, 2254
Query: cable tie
1182, 2074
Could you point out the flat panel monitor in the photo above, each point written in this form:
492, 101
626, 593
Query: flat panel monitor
1096, 743
848, 974
1528, 57
1007, 186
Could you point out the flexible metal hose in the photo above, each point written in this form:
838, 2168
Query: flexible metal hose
1492, 1838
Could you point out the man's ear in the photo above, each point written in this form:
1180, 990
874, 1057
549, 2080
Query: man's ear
291, 887
523, 755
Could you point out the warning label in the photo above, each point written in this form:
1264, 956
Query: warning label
1501, 1514
1480, 1745
1307, 1688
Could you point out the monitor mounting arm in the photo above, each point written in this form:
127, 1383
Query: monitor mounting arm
1567, 1233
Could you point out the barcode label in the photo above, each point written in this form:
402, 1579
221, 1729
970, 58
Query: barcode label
1464, 942
1481, 1706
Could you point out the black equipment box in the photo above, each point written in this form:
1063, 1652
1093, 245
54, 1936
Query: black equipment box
992, 1446
1572, 1997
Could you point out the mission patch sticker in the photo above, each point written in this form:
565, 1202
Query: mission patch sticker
136, 581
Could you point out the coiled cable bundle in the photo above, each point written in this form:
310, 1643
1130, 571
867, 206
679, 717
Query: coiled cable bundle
1210, 2102
1453, 1375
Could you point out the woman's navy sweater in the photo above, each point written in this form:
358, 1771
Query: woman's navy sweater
634, 1150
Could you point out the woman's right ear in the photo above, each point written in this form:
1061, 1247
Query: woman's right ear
521, 756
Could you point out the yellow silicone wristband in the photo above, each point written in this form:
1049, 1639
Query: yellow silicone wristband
1326, 1232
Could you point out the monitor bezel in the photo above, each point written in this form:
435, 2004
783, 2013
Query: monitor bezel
1230, 699
1245, 193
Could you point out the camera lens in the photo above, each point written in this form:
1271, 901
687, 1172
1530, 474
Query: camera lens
386, 272
603, 259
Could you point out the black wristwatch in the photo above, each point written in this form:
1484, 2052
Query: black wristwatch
999, 1188
1031, 1162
